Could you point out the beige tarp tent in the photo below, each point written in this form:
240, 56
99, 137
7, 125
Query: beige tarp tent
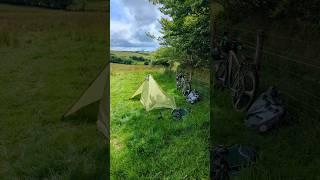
97, 91
152, 96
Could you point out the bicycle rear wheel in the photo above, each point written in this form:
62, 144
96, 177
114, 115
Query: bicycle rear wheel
233, 69
245, 91
221, 74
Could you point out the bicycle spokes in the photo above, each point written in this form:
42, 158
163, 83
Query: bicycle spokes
245, 91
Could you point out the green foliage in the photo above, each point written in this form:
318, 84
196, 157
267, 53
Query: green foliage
187, 30
297, 10
162, 62
165, 56
77, 5
165, 52
139, 58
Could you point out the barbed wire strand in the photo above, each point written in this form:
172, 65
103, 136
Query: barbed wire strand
290, 72
287, 58
299, 101
273, 52
270, 35
296, 88
281, 56
251, 45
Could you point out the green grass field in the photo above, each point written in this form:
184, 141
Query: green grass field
145, 147
48, 58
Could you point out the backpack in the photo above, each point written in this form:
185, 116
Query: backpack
266, 111
193, 97
229, 161
179, 113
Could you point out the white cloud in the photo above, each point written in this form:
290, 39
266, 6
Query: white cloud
130, 20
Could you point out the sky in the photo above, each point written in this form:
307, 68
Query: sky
129, 22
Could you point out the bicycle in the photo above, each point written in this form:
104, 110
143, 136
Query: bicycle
183, 84
234, 72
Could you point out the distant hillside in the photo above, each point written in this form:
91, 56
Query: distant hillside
127, 54
130, 57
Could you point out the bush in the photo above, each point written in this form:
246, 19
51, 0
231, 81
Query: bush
146, 63
77, 5
162, 62
119, 60
139, 58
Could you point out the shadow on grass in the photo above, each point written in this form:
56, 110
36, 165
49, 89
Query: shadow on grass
87, 115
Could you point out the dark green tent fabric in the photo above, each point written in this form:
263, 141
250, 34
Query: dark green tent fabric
97, 91
152, 96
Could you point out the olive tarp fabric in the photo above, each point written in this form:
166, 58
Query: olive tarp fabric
152, 96
97, 91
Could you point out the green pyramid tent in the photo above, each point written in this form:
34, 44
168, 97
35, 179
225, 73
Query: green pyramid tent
97, 91
152, 96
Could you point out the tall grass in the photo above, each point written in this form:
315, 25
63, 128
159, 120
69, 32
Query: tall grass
8, 39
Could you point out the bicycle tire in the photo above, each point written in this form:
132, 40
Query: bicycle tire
233, 68
221, 73
246, 91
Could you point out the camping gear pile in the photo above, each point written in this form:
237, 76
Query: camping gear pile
192, 95
227, 161
262, 114
179, 113
266, 112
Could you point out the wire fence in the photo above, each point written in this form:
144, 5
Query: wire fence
298, 78
251, 45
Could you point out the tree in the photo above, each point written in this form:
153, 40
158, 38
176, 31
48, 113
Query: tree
186, 30
297, 10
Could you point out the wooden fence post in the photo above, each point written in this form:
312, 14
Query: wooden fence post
259, 47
